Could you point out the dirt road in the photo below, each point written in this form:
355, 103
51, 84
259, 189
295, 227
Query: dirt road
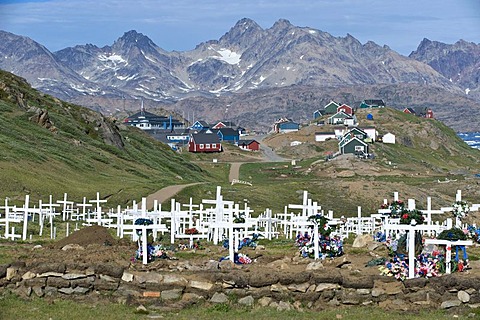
166, 193
234, 171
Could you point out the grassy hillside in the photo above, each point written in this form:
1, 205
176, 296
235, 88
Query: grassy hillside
73, 151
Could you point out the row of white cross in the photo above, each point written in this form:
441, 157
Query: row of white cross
211, 219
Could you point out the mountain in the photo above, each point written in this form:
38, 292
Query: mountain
458, 62
49, 147
246, 61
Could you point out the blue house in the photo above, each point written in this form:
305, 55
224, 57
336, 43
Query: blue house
228, 135
200, 126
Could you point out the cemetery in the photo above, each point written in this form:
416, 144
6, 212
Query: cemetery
398, 258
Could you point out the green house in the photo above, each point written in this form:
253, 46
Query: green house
331, 107
352, 145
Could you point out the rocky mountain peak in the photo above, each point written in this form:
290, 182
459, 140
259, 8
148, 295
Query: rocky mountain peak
243, 34
132, 39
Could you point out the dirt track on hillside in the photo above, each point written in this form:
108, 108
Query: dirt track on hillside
166, 193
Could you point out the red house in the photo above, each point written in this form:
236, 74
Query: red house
345, 108
204, 142
251, 145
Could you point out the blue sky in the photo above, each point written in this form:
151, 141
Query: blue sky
182, 24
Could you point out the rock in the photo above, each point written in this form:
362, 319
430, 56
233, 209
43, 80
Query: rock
361, 241
171, 294
28, 275
278, 288
66, 290
377, 292
38, 291
260, 247
72, 246
463, 296
373, 245
72, 276
173, 279
38, 246
188, 296
302, 287
284, 306
11, 273
110, 269
206, 286
450, 304
226, 265
316, 265
246, 301
264, 301
141, 309
326, 286
127, 276
212, 265
147, 277
219, 298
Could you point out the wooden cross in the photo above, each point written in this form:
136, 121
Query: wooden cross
99, 208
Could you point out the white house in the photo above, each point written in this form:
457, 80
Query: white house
371, 132
295, 143
388, 138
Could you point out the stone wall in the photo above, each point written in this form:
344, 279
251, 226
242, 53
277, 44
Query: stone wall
284, 290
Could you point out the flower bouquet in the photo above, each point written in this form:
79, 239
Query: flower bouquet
460, 209
396, 208
412, 217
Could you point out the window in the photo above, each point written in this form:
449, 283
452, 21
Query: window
358, 148
201, 146
214, 146
207, 146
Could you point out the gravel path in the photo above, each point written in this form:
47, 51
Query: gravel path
234, 171
166, 193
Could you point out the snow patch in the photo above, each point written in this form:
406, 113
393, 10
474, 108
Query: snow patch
301, 57
262, 78
312, 31
115, 58
47, 79
127, 78
227, 55
467, 90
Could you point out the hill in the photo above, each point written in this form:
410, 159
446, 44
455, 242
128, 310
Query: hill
50, 147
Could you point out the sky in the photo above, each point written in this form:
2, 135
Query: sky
180, 25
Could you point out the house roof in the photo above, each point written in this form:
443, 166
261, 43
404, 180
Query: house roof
202, 123
203, 137
247, 142
226, 131
145, 116
340, 114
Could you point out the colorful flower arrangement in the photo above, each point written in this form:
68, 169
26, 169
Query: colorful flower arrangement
426, 265
153, 252
474, 233
245, 242
412, 217
396, 208
238, 258
329, 247
460, 209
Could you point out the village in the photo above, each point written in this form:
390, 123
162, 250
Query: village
201, 137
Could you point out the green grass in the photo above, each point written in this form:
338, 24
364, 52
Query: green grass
13, 307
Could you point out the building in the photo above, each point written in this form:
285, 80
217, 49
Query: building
251, 145
204, 142
149, 121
